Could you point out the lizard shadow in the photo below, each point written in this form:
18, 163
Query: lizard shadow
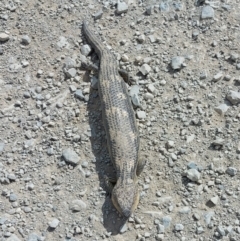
111, 219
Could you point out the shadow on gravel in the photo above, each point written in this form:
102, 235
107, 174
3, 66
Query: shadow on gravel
104, 168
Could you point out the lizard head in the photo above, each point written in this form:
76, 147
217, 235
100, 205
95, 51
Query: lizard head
125, 198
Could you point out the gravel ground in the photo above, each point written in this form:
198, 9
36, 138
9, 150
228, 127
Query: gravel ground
183, 58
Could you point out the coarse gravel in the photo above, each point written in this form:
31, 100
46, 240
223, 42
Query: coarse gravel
184, 66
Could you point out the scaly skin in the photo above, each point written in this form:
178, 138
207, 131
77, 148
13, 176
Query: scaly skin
120, 127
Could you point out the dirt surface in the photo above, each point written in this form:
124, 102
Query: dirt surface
184, 65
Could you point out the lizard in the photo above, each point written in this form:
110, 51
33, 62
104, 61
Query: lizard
120, 127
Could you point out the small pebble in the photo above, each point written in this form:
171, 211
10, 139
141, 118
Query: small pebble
233, 97
134, 91
124, 228
217, 77
13, 197
71, 156
145, 69
79, 94
98, 14
77, 205
141, 114
4, 37
25, 40
214, 200
71, 73
54, 223
221, 109
122, 7
178, 227
193, 174
86, 49
177, 62
207, 12
231, 171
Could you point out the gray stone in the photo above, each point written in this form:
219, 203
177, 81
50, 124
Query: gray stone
159, 237
2, 145
124, 58
54, 223
218, 142
79, 94
221, 231
27, 209
226, 7
229, 229
13, 237
141, 38
214, 200
177, 62
207, 217
13, 197
27, 94
233, 97
151, 88
193, 174
30, 186
199, 230
134, 91
4, 37
217, 76
177, 5
207, 12
149, 10
77, 205
69, 63
145, 69
123, 228
164, 6
192, 165
71, 73
72, 88
238, 66
160, 228
11, 177
166, 221
62, 42
86, 49
231, 171
195, 33
234, 56
185, 210
178, 227
33, 237
152, 38
25, 40
70, 156
25, 63
141, 114
170, 144
221, 109
148, 96
122, 7
98, 14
